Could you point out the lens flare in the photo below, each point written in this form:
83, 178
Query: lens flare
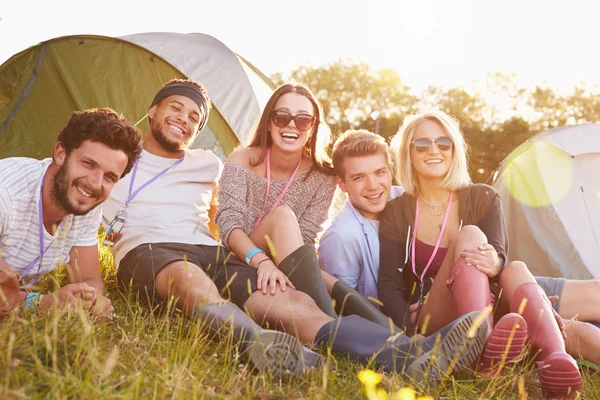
538, 174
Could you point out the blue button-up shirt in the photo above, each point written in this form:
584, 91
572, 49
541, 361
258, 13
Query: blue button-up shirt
349, 248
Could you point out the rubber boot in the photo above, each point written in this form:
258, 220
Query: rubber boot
302, 268
427, 360
558, 371
471, 292
269, 351
349, 302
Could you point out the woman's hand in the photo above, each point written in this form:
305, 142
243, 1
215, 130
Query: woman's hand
485, 259
269, 275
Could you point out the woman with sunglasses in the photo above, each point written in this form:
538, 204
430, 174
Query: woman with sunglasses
448, 238
274, 196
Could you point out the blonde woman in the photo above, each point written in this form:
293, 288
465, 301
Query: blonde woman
448, 237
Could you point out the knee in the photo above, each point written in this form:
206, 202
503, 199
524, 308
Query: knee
284, 214
471, 235
188, 279
514, 270
302, 301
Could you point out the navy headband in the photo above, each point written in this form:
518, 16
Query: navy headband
188, 90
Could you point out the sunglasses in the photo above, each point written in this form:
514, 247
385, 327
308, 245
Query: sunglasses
444, 143
303, 122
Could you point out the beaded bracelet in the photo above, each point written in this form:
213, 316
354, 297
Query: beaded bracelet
32, 299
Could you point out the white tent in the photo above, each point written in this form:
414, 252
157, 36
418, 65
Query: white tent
550, 189
41, 86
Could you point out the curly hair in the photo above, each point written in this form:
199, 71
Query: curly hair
105, 126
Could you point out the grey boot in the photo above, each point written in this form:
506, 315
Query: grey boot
269, 351
302, 268
450, 350
349, 302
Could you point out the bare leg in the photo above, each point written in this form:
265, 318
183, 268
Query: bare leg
188, 284
281, 225
583, 341
580, 298
293, 311
329, 280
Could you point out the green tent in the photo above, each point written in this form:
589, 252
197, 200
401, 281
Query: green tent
40, 87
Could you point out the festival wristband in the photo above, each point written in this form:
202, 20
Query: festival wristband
32, 299
252, 253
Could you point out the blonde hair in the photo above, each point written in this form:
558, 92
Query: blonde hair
357, 143
458, 175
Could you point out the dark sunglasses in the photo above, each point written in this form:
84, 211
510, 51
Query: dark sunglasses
303, 122
444, 143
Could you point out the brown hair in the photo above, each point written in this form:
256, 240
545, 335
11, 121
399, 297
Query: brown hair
105, 126
357, 143
317, 145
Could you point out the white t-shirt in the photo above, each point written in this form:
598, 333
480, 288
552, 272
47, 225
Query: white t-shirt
20, 184
173, 208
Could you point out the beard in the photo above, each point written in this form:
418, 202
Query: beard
167, 144
60, 192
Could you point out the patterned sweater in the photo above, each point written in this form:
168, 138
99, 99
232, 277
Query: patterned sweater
242, 196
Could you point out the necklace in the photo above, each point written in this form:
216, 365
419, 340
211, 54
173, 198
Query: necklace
437, 207
439, 226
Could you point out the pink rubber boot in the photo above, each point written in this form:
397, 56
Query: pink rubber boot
471, 292
558, 371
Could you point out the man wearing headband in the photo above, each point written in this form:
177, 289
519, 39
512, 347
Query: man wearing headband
50, 212
158, 222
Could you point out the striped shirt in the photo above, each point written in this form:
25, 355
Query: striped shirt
20, 184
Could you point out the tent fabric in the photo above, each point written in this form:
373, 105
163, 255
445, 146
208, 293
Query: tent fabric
550, 189
41, 86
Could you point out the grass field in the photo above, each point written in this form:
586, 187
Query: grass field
146, 355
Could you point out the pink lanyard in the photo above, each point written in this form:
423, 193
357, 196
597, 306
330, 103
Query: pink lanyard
269, 185
437, 244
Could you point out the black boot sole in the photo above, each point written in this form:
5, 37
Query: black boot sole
456, 351
282, 355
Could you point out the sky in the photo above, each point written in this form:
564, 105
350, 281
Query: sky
429, 42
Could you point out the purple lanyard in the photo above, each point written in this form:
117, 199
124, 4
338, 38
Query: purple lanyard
131, 196
43, 250
287, 186
437, 244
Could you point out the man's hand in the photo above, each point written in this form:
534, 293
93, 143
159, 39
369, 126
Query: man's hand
10, 293
102, 308
559, 320
413, 309
71, 295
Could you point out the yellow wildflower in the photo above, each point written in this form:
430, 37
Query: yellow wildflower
369, 378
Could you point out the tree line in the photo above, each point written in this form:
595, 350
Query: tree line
496, 115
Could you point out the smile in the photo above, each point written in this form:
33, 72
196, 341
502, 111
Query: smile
83, 192
434, 161
374, 198
290, 135
178, 130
